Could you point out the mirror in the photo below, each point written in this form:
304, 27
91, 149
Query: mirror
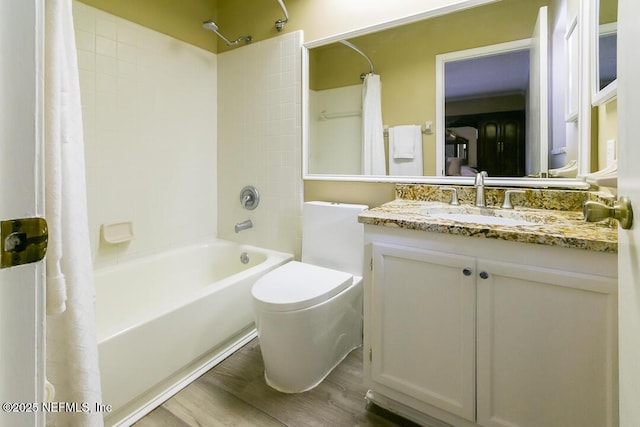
604, 51
404, 56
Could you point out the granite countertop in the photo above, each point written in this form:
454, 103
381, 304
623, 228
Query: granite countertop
564, 228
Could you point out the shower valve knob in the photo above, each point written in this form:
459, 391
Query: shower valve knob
249, 197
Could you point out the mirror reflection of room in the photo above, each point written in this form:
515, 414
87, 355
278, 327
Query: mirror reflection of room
485, 97
604, 117
607, 42
405, 60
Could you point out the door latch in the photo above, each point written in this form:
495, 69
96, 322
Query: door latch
23, 241
621, 211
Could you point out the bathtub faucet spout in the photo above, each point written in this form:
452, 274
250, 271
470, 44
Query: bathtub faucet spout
243, 225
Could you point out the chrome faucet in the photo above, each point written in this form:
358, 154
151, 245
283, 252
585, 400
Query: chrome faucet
479, 184
243, 225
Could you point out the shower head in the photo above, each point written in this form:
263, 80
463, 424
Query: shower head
212, 26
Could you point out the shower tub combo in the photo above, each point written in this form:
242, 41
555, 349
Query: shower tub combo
163, 320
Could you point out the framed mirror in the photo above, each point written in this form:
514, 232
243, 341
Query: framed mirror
604, 51
404, 55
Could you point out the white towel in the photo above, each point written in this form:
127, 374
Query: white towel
406, 166
403, 141
72, 349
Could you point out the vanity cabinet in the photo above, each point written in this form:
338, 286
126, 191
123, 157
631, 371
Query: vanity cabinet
546, 342
423, 326
493, 333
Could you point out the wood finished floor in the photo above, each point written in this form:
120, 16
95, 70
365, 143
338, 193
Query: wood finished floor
234, 393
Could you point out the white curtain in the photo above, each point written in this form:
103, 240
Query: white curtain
373, 153
71, 345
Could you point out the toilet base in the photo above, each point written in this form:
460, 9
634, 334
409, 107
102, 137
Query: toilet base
300, 348
275, 385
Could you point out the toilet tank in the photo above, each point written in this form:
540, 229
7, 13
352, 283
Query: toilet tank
332, 237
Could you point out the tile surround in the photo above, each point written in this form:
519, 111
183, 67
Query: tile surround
149, 105
259, 129
128, 73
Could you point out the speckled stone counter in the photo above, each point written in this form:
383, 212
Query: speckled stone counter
556, 216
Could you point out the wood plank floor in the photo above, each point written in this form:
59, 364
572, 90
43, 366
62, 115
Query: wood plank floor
234, 393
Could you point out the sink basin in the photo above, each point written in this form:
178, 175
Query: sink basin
481, 219
484, 216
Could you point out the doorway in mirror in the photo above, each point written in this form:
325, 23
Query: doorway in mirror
499, 146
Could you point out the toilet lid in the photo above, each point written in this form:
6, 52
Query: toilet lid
297, 285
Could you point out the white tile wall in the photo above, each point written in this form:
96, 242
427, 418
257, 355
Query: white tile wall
337, 148
150, 119
259, 141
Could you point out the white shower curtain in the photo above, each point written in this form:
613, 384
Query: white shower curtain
373, 153
71, 344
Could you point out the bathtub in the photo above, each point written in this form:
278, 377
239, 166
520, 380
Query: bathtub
163, 320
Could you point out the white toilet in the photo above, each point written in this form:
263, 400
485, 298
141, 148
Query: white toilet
309, 313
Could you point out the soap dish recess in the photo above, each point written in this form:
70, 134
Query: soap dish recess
118, 233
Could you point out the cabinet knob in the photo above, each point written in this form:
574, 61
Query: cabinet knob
484, 275
467, 272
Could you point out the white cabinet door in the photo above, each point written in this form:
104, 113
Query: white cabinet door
423, 326
546, 350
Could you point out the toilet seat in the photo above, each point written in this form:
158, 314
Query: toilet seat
297, 285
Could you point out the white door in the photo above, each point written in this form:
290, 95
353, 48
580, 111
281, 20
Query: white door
537, 156
629, 185
21, 288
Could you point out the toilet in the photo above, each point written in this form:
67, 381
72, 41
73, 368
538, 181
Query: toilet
309, 314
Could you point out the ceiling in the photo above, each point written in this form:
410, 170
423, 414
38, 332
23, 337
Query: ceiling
495, 74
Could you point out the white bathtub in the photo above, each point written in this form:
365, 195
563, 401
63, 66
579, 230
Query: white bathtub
163, 320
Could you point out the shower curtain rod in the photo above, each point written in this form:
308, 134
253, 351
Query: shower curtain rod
352, 46
280, 22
